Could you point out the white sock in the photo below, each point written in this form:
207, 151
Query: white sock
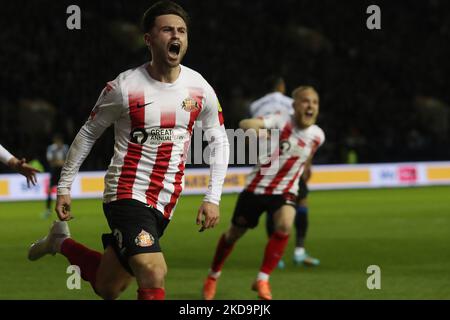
262, 276
214, 275
299, 251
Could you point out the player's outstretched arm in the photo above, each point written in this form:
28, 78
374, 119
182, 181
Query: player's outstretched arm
256, 124
252, 123
24, 169
106, 111
78, 151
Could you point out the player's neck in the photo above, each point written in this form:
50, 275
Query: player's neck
163, 73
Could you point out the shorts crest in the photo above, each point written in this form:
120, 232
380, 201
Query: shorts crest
144, 239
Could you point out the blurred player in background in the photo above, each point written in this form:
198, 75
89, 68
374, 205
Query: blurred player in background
19, 166
274, 193
56, 155
277, 102
153, 109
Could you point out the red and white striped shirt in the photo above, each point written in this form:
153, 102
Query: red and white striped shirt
296, 145
153, 122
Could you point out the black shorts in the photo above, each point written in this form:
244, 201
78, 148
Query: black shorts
55, 174
250, 206
302, 189
136, 228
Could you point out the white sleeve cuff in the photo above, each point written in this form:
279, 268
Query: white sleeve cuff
211, 200
5, 155
62, 191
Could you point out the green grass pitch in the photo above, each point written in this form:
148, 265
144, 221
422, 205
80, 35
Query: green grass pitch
404, 231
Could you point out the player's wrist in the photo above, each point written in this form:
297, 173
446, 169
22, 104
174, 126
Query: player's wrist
13, 163
211, 200
62, 191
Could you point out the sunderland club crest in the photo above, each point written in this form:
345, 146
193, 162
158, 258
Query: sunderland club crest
189, 105
144, 239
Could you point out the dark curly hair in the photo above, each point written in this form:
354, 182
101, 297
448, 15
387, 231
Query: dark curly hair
161, 8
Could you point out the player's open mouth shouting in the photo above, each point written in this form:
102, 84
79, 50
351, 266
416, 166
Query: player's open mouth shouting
173, 50
309, 114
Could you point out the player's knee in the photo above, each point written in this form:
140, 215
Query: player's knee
153, 272
230, 237
107, 291
233, 234
109, 295
284, 228
110, 288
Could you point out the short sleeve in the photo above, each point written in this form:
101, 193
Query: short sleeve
321, 137
318, 139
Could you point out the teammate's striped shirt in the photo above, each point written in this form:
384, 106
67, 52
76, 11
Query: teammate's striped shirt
281, 174
153, 122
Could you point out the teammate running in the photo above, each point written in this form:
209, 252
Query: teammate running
272, 192
277, 102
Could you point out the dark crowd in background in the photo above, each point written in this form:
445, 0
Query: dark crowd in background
385, 93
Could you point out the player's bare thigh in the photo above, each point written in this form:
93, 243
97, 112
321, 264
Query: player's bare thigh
284, 218
150, 269
112, 279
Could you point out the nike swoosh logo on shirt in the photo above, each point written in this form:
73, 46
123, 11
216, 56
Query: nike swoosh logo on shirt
143, 105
